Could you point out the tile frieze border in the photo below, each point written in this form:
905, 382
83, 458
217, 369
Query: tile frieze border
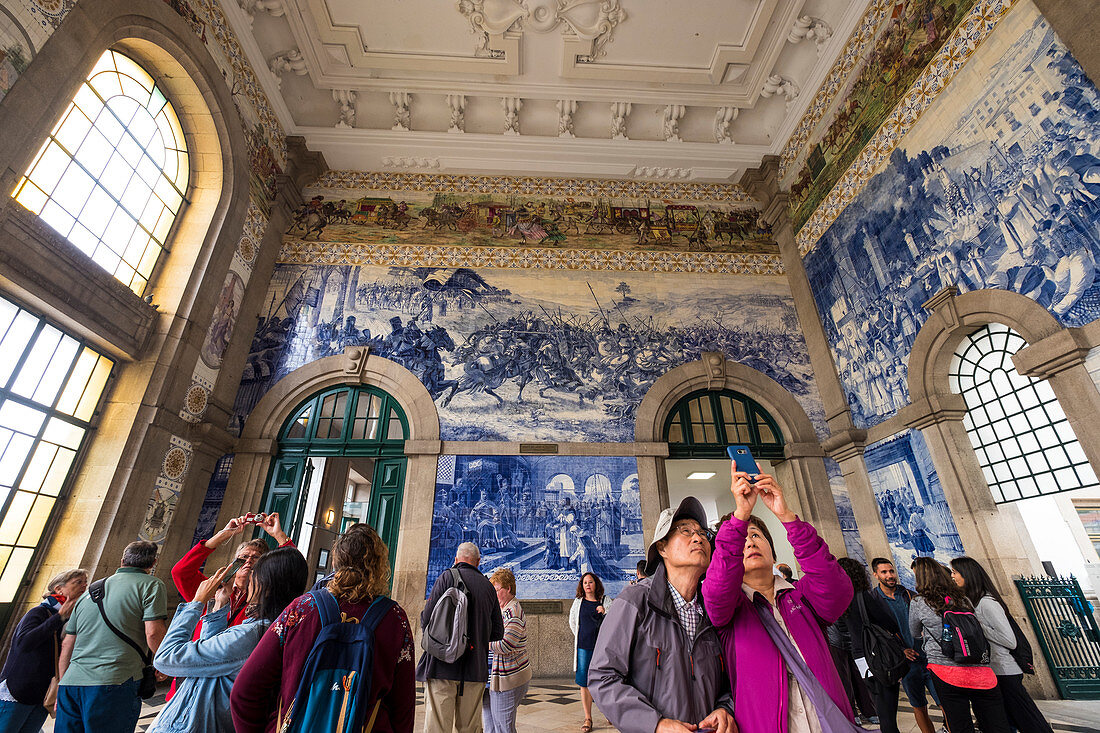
964, 41
348, 180
300, 252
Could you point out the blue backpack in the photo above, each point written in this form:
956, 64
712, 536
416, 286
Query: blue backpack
335, 688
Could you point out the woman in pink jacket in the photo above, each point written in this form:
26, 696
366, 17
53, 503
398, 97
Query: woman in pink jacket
740, 588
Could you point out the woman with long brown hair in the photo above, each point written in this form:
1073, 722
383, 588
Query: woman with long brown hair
266, 686
960, 686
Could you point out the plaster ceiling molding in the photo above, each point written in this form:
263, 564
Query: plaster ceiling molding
807, 28
619, 112
314, 21
488, 18
662, 172
566, 109
670, 122
723, 117
511, 107
345, 99
779, 85
401, 114
291, 60
274, 8
457, 105
408, 162
591, 21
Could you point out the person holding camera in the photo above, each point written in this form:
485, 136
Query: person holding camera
777, 656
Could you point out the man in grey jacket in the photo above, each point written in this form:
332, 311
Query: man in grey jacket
452, 691
658, 662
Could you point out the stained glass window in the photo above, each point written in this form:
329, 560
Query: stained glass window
50, 385
112, 175
1025, 444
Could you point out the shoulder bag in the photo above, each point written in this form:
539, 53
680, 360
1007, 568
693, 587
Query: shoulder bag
833, 719
148, 685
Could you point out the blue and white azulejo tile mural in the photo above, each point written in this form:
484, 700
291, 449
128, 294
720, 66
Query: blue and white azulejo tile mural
512, 354
549, 519
911, 501
996, 186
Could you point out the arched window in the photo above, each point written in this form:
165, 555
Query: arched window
703, 423
1024, 443
112, 175
50, 387
346, 421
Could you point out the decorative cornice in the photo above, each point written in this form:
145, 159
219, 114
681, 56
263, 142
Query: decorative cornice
964, 41
300, 252
725, 193
933, 410
1053, 355
845, 444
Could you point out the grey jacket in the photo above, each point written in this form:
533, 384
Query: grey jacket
999, 634
926, 626
644, 668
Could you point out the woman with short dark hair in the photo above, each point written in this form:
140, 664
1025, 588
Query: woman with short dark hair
993, 615
960, 686
585, 616
267, 685
32, 660
206, 667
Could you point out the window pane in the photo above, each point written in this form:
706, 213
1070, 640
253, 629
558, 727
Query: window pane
101, 159
1040, 453
13, 573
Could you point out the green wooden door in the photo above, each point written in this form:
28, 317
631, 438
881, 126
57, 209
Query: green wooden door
384, 513
284, 490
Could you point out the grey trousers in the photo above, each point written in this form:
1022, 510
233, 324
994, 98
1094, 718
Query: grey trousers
498, 709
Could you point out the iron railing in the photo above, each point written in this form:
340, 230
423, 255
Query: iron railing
1067, 632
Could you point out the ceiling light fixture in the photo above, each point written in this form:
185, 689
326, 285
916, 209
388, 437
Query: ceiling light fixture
701, 475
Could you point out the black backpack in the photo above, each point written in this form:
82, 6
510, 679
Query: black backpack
1022, 652
884, 652
962, 638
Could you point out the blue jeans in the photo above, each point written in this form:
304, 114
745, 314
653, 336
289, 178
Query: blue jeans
916, 680
15, 717
98, 708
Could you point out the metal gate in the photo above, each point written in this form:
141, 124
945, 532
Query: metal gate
1067, 632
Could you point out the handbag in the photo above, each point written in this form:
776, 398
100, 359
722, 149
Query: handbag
833, 719
50, 701
884, 652
148, 685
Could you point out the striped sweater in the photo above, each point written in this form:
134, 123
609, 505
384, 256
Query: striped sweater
511, 667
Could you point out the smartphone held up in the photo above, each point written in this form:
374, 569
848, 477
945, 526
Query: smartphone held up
743, 460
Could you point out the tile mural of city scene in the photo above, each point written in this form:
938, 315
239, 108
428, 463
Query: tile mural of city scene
914, 509
907, 38
549, 519
1001, 184
578, 222
534, 355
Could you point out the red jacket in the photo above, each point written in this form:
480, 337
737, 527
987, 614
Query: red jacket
269, 679
187, 575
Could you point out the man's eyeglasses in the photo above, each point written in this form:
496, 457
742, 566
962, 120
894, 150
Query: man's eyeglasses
704, 534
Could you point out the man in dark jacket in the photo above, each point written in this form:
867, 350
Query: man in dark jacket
658, 664
452, 691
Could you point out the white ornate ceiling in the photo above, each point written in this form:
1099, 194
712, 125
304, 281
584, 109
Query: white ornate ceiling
667, 89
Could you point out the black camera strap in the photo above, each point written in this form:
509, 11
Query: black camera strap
97, 590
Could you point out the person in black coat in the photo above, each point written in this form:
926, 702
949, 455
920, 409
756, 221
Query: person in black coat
885, 696
32, 660
452, 691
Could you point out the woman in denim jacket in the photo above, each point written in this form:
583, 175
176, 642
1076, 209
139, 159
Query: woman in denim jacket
206, 667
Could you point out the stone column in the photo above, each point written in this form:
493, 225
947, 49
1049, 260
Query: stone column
847, 450
763, 184
1078, 25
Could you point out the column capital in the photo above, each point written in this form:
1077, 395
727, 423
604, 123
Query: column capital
257, 446
933, 410
845, 444
803, 450
1053, 355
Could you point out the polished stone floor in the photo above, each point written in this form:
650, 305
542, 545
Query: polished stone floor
554, 705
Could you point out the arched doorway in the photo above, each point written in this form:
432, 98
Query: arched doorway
340, 460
